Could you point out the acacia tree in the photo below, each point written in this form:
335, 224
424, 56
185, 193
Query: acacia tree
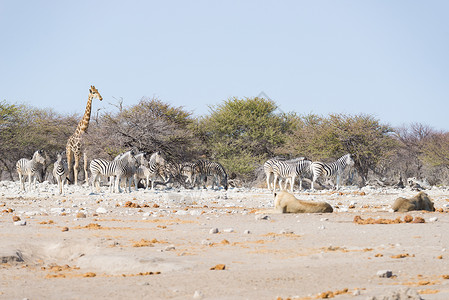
241, 133
436, 150
23, 130
321, 138
150, 125
412, 141
369, 142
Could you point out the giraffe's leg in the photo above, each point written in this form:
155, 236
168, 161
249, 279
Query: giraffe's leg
86, 175
76, 166
69, 155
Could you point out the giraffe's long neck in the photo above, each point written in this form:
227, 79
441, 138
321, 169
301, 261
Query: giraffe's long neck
84, 123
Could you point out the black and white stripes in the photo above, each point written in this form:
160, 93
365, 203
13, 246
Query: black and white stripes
320, 169
26, 167
118, 168
60, 171
203, 168
286, 170
150, 170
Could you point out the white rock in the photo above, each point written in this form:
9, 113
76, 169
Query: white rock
147, 214
198, 295
206, 242
31, 213
262, 217
384, 273
213, 231
324, 219
228, 230
181, 212
57, 210
20, 223
434, 219
101, 210
169, 248
246, 231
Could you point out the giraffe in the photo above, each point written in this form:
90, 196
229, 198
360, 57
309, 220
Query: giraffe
74, 143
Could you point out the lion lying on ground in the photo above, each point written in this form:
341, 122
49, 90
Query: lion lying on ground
419, 202
284, 202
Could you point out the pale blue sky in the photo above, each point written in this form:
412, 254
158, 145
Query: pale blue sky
384, 57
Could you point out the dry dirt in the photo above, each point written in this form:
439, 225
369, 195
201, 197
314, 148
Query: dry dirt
159, 245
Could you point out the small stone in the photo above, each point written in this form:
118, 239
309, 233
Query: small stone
246, 231
57, 210
15, 218
262, 217
81, 215
228, 230
206, 242
65, 229
384, 273
170, 248
286, 231
20, 223
213, 231
198, 295
434, 219
324, 219
101, 210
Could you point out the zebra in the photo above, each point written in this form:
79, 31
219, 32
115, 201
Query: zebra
204, 168
60, 171
118, 168
289, 170
337, 167
187, 170
277, 168
268, 169
130, 170
151, 171
29, 167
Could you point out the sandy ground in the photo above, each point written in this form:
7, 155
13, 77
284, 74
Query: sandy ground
160, 245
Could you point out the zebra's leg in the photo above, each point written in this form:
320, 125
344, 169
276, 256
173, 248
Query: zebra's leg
292, 182
29, 181
148, 182
22, 183
300, 183
136, 182
117, 184
130, 182
268, 181
275, 179
59, 184
338, 180
111, 184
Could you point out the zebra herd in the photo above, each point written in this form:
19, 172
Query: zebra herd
288, 170
133, 167
130, 167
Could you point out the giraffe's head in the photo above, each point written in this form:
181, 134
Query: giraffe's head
94, 93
